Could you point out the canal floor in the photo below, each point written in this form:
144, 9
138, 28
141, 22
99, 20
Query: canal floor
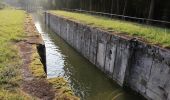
87, 82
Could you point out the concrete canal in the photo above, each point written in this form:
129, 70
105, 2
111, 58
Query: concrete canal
86, 80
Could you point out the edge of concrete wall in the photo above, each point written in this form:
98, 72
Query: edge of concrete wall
42, 53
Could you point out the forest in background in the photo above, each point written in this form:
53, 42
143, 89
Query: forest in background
151, 9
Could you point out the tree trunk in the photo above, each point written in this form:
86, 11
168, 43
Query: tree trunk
151, 9
117, 5
125, 6
90, 5
112, 7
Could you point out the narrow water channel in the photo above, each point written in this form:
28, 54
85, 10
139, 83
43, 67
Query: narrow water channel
85, 79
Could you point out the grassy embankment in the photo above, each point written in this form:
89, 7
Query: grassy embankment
153, 35
11, 31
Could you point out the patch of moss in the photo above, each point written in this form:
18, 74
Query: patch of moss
36, 65
14, 95
62, 89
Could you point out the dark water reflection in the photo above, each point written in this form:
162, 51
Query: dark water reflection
85, 79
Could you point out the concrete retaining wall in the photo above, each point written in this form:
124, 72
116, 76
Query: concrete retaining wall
42, 52
129, 62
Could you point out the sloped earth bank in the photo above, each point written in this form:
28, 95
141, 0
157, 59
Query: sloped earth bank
34, 81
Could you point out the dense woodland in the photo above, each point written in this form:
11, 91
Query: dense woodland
151, 9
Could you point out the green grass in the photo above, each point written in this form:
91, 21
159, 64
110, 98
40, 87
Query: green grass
153, 35
62, 89
11, 31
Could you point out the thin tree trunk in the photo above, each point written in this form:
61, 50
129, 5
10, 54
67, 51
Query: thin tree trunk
112, 7
125, 6
80, 4
151, 9
90, 5
117, 5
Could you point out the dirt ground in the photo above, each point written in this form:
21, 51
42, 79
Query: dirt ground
36, 87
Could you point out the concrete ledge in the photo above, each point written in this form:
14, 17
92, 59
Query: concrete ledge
130, 62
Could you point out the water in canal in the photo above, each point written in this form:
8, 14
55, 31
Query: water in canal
85, 79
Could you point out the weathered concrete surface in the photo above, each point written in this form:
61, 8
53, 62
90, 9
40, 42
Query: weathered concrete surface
149, 72
130, 62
